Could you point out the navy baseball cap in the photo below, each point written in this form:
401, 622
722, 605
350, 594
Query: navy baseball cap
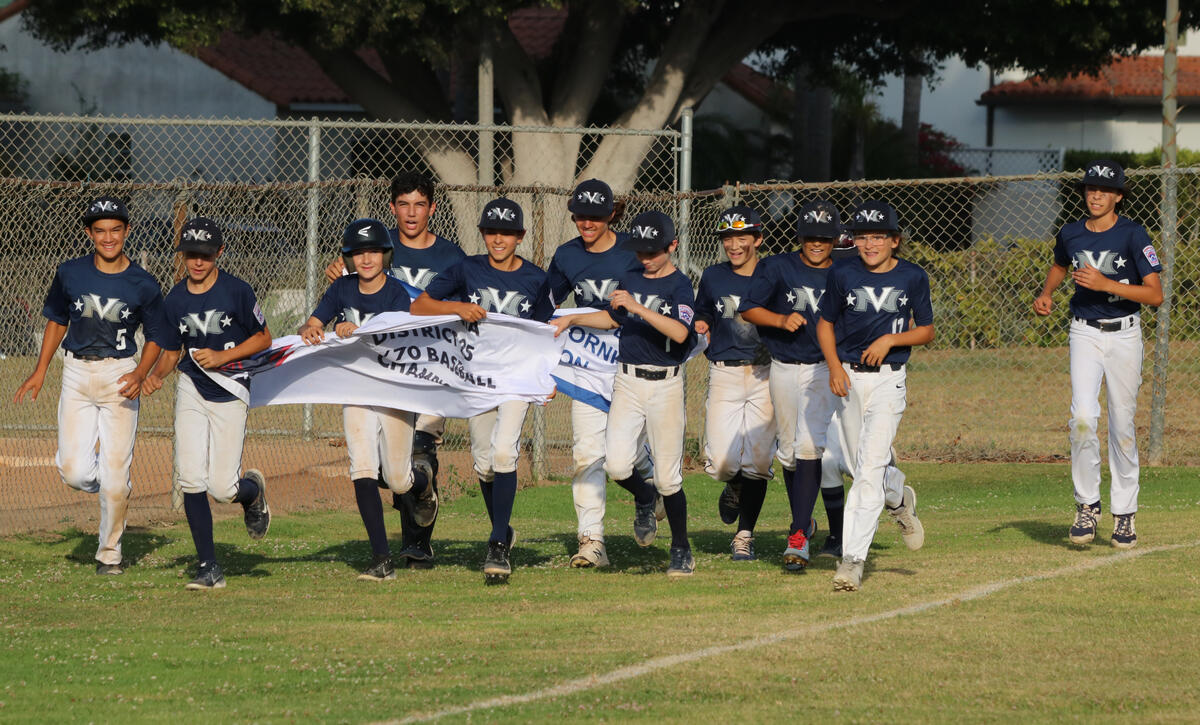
650, 231
739, 219
200, 235
503, 215
819, 219
1105, 173
592, 198
874, 216
105, 207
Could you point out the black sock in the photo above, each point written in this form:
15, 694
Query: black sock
247, 491
485, 487
370, 508
643, 492
808, 485
419, 482
754, 492
676, 506
793, 496
199, 518
504, 492
835, 503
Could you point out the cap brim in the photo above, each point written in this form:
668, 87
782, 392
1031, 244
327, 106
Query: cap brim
635, 244
197, 247
1115, 187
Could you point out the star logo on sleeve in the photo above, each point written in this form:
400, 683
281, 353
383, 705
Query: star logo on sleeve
225, 321
473, 298
666, 309
850, 299
79, 304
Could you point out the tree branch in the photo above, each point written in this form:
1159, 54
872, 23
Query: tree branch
581, 76
419, 83
516, 78
352, 74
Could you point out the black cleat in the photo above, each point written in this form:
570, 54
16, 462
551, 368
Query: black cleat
496, 567
682, 563
110, 569
425, 503
257, 514
645, 524
729, 502
381, 569
831, 547
416, 555
208, 576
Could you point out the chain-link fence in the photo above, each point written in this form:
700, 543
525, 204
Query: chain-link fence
993, 386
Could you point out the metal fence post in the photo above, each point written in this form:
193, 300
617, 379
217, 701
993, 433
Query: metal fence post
487, 113
685, 185
538, 457
311, 266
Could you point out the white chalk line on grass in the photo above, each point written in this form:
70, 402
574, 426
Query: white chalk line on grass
572, 687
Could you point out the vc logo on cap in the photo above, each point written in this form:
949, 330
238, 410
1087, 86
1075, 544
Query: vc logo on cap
1104, 172
645, 232
818, 216
870, 215
501, 214
197, 235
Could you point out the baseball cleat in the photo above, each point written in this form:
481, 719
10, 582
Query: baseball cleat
416, 555
591, 554
257, 513
425, 503
729, 502
110, 569
849, 575
742, 547
831, 548
911, 529
208, 576
496, 567
682, 563
645, 523
381, 568
796, 555
1124, 536
1084, 528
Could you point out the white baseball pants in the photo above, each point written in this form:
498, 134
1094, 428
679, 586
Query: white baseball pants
739, 427
208, 442
91, 411
657, 408
588, 486
434, 425
870, 416
496, 438
834, 466
1116, 359
804, 405
380, 437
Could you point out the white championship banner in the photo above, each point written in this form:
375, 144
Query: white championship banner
425, 364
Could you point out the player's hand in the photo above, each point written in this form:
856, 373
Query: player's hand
345, 329
312, 335
1091, 278
839, 381
151, 384
130, 385
209, 359
1042, 304
334, 270
468, 312
32, 385
562, 323
877, 351
794, 322
701, 328
622, 300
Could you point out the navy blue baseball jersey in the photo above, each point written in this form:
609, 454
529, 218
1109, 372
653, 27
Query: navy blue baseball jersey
672, 296
717, 302
592, 276
869, 305
1124, 253
102, 311
784, 284
345, 303
417, 267
520, 293
221, 318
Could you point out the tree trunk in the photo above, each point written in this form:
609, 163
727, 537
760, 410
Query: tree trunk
910, 118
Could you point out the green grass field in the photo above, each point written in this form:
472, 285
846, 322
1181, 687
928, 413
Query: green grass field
997, 618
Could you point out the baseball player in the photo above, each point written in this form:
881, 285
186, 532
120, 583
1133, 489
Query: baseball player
589, 266
866, 338
1115, 269
499, 282
213, 318
785, 299
93, 309
654, 309
376, 437
739, 418
418, 256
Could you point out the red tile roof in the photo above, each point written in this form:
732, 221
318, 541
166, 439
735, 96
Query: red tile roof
1127, 80
757, 88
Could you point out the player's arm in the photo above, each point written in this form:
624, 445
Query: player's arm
1149, 292
167, 362
256, 343
878, 350
763, 317
131, 383
669, 326
52, 337
466, 311
839, 381
600, 320
1043, 303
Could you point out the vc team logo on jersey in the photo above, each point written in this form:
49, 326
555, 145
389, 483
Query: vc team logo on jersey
887, 299
212, 322
591, 290
1107, 262
805, 298
508, 303
654, 303
419, 278
111, 310
355, 316
728, 306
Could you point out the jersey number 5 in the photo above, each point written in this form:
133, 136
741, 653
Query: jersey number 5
121, 338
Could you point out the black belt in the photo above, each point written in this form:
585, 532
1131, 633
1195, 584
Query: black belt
649, 374
862, 368
90, 358
733, 363
1114, 326
798, 362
